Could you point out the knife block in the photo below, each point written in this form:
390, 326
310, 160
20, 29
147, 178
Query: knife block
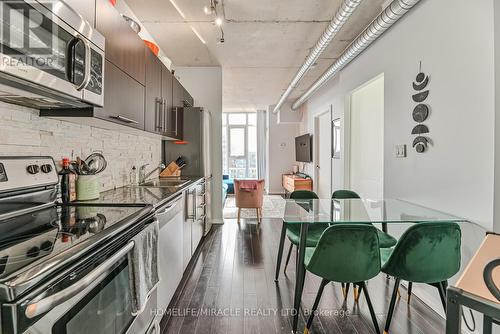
172, 170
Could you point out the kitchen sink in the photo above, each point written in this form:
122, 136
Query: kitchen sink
165, 183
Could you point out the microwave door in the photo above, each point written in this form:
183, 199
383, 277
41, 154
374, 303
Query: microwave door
41, 57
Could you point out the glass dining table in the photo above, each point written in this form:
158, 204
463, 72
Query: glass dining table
348, 211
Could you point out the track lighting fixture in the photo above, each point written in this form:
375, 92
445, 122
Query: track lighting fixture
218, 19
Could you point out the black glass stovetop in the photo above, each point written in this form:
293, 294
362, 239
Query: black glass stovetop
32, 238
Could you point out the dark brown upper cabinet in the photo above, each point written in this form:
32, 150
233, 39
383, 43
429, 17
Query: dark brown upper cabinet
154, 99
160, 114
173, 117
177, 93
181, 96
86, 8
123, 98
124, 48
187, 98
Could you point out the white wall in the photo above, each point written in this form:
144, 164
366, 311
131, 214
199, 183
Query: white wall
205, 85
281, 151
496, 216
23, 132
366, 144
460, 163
456, 174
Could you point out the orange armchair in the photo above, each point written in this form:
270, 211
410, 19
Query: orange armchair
249, 195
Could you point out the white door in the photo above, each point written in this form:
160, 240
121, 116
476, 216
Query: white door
323, 152
367, 140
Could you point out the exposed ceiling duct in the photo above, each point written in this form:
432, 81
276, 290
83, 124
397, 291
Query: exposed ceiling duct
390, 15
344, 12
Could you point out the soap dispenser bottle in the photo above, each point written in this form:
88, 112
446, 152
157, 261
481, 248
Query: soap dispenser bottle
134, 176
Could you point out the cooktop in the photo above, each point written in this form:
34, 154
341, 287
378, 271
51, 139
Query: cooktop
33, 238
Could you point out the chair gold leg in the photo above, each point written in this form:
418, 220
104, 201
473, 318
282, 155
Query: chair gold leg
346, 291
239, 215
356, 294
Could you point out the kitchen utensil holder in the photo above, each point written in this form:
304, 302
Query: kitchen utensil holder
87, 187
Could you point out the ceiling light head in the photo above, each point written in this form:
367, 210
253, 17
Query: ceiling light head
219, 21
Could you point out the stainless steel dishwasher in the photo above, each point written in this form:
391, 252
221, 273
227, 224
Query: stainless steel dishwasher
170, 252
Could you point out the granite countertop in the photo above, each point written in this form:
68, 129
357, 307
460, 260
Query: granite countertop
144, 195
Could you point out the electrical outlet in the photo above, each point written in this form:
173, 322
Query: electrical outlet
401, 151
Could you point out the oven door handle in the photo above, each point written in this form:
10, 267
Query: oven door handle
46, 304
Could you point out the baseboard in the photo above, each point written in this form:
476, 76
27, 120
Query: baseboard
276, 193
217, 221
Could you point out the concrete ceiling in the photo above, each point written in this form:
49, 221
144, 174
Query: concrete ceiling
266, 41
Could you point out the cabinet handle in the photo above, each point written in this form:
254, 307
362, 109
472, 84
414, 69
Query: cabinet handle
160, 116
125, 119
165, 121
176, 121
158, 103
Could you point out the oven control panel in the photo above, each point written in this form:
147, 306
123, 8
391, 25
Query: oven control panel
18, 173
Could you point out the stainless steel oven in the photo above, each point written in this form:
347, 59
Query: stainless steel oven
92, 296
50, 56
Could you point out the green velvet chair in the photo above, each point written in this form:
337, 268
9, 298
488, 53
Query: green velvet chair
426, 253
292, 231
385, 239
346, 253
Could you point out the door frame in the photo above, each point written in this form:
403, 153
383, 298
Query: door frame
316, 147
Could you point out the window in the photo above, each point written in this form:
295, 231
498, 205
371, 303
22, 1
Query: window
237, 141
239, 144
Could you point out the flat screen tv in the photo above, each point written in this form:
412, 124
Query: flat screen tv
303, 148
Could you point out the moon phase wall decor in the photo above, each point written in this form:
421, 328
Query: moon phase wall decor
420, 112
420, 97
419, 129
420, 86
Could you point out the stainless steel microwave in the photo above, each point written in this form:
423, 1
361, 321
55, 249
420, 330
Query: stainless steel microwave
50, 57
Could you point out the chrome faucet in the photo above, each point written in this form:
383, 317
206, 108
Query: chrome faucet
142, 172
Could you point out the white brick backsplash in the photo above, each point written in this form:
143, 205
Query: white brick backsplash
23, 132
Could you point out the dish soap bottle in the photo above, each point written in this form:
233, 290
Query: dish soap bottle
68, 182
134, 176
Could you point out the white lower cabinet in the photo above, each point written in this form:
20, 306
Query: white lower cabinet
170, 257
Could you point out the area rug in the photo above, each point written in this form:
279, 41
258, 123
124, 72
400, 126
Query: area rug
274, 207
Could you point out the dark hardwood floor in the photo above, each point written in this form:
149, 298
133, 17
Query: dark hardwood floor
231, 289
